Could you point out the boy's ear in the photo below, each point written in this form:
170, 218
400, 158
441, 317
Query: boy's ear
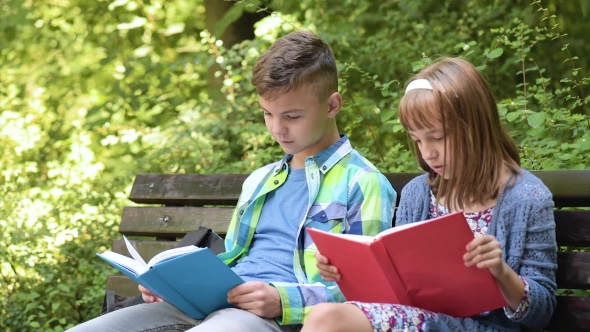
334, 104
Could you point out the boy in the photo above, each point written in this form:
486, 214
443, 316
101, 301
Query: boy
322, 182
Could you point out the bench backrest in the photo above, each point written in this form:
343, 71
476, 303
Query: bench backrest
183, 202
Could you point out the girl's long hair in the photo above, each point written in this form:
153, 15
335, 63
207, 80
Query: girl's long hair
479, 145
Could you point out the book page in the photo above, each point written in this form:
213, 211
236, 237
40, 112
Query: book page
171, 253
358, 238
130, 264
401, 228
133, 252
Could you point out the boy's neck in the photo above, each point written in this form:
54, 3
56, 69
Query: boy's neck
298, 160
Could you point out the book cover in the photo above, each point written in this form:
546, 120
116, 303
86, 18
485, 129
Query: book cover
193, 279
419, 264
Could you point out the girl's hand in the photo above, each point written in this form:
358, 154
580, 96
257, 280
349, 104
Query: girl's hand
328, 271
485, 252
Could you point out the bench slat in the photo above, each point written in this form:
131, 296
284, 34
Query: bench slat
573, 270
187, 189
570, 188
573, 228
122, 285
173, 221
572, 314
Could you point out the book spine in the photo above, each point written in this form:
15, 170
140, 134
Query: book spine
396, 283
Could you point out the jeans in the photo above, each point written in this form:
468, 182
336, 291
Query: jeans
164, 317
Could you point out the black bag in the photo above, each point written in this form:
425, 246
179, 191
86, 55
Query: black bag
202, 237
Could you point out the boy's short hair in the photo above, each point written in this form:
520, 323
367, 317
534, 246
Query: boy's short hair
293, 60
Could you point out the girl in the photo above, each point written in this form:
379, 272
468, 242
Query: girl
472, 165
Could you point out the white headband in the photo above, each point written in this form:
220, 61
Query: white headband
419, 84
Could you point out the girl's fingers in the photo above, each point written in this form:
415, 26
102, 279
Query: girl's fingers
488, 256
482, 249
479, 241
490, 263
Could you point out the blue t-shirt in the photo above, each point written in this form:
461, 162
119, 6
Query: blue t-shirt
272, 250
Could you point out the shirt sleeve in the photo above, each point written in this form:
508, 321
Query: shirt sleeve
523, 306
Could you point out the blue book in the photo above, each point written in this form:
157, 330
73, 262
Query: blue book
192, 279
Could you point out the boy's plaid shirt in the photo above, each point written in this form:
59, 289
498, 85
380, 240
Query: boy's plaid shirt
346, 194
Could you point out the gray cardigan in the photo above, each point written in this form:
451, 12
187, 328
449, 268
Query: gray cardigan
523, 223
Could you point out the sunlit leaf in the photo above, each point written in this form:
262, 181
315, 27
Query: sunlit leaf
117, 3
143, 50
174, 29
137, 22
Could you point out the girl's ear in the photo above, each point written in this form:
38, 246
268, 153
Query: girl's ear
334, 104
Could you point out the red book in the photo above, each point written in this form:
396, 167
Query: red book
419, 264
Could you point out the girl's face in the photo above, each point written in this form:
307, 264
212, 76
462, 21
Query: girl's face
431, 143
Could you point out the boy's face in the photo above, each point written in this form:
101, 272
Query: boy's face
299, 121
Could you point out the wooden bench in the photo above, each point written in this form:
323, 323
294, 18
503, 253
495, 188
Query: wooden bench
182, 203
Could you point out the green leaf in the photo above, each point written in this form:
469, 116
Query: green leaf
535, 120
417, 66
387, 115
512, 116
497, 52
502, 110
397, 127
230, 16
35, 324
585, 143
585, 4
55, 306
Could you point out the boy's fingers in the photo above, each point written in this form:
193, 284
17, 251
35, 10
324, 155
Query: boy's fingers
330, 276
320, 258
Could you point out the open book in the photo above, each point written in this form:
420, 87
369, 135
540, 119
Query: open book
419, 264
192, 279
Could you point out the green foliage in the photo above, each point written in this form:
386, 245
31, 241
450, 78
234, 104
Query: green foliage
94, 92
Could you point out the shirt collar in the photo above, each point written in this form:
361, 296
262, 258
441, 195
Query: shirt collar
325, 159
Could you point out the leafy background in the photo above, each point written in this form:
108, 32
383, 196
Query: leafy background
93, 92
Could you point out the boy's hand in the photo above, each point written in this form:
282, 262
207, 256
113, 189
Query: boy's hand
328, 271
148, 296
257, 297
485, 252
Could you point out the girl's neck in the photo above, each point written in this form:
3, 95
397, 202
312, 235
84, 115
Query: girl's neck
488, 203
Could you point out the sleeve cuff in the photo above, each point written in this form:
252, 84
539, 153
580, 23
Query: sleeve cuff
522, 307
